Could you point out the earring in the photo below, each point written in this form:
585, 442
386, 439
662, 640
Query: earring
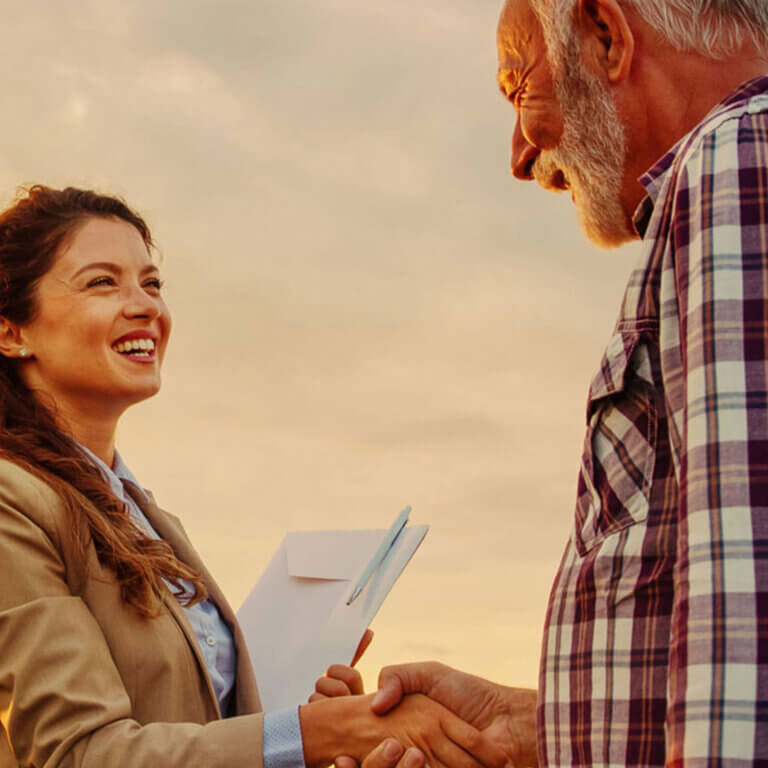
23, 351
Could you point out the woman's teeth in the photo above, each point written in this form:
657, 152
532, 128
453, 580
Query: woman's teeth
138, 347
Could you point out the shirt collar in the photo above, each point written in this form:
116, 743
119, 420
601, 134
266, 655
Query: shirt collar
653, 179
115, 474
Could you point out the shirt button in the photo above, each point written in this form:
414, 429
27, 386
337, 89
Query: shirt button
211, 640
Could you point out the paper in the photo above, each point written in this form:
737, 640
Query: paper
296, 621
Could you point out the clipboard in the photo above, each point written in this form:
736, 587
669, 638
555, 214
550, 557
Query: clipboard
297, 620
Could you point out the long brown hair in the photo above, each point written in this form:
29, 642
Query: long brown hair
32, 233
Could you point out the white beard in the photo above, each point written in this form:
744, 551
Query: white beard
592, 150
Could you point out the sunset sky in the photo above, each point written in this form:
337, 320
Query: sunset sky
369, 311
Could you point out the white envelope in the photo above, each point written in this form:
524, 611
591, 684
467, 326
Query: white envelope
296, 620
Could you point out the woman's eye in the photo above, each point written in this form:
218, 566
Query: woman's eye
100, 281
154, 283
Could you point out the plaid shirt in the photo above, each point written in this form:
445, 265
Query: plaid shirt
655, 647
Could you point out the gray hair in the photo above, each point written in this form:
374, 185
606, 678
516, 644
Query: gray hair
715, 28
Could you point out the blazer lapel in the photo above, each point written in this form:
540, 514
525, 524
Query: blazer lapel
170, 529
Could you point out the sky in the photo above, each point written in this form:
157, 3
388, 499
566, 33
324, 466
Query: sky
369, 310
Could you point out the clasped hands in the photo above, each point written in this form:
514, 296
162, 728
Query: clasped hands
430, 712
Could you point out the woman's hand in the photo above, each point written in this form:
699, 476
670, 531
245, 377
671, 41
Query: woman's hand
340, 679
445, 739
347, 726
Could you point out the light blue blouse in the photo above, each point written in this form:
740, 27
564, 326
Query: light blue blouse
283, 746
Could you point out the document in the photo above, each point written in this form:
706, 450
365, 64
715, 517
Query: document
297, 620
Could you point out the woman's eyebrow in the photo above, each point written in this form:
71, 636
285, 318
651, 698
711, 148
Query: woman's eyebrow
115, 269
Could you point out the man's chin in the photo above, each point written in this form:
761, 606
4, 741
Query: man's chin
607, 231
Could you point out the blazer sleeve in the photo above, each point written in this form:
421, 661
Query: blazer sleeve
62, 700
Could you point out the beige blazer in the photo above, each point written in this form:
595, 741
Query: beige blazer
84, 680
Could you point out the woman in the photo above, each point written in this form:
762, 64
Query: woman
116, 646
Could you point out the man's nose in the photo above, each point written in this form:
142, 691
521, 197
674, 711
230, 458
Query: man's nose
523, 155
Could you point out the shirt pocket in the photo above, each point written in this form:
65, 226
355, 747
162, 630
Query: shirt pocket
620, 446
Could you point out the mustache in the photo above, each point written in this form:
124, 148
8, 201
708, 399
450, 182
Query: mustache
547, 172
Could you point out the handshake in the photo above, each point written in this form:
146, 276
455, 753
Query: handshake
422, 713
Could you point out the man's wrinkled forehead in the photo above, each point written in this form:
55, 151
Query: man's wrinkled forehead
518, 39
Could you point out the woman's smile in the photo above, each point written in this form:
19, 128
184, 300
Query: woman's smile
137, 346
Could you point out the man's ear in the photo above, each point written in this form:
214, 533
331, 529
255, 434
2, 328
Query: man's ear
607, 37
11, 341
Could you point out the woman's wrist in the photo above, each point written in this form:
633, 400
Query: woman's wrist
338, 726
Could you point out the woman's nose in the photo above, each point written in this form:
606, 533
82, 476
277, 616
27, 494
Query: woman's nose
138, 303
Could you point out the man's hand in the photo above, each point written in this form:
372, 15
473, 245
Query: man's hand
389, 754
347, 725
507, 715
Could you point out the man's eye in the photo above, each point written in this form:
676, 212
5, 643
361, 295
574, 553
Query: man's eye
511, 90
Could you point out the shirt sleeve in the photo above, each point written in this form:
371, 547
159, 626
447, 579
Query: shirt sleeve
718, 681
283, 746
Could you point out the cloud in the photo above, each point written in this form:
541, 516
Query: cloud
368, 309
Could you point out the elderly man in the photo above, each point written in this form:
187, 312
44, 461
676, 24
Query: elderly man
653, 114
